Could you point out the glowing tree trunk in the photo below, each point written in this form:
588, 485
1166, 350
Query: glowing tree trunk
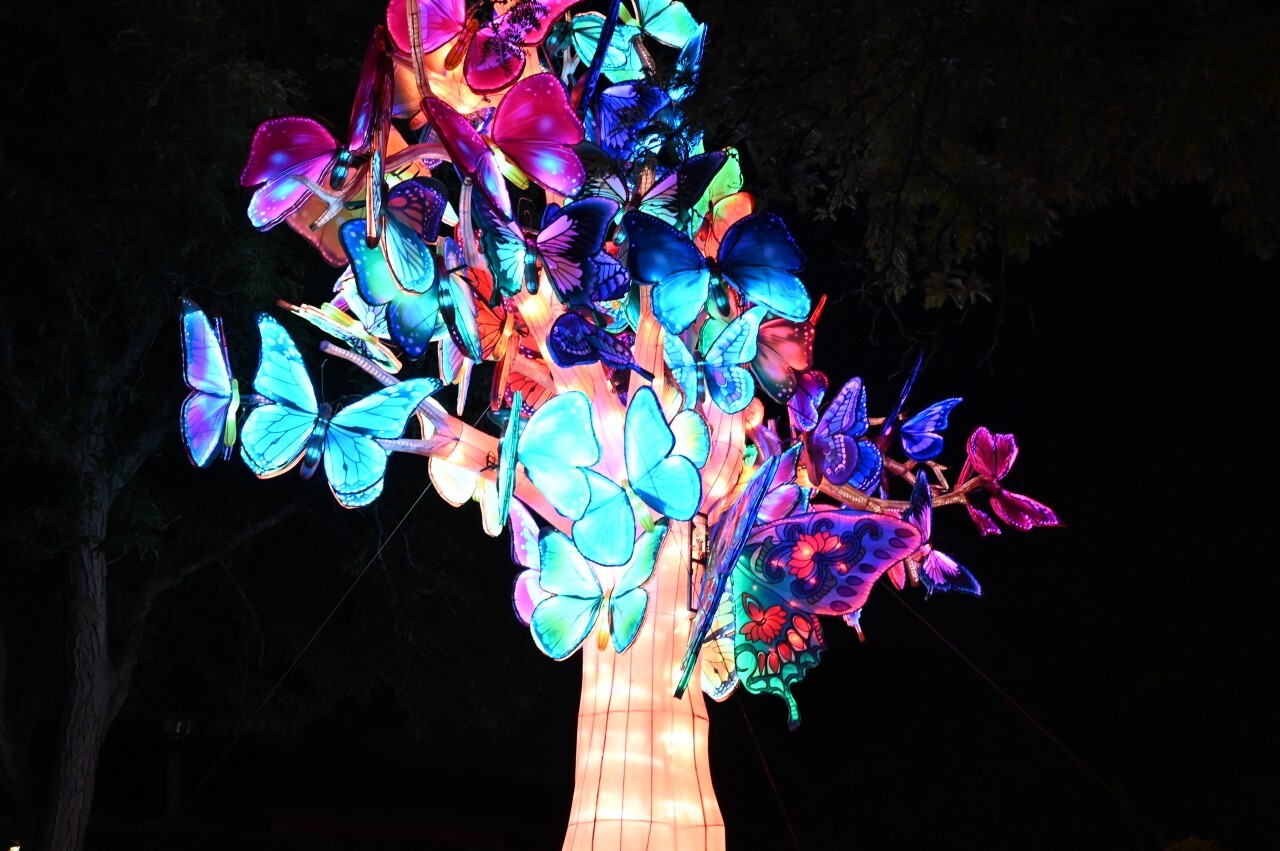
642, 777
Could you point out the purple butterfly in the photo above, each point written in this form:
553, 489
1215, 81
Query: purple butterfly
936, 570
208, 417
837, 449
575, 340
568, 249
990, 458
811, 386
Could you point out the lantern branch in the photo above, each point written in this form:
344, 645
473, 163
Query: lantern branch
452, 440
854, 498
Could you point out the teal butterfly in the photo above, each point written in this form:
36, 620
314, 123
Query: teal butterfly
400, 271
621, 61
662, 463
720, 372
292, 428
556, 446
564, 619
667, 22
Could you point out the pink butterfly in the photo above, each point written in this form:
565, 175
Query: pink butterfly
493, 56
289, 151
534, 129
990, 458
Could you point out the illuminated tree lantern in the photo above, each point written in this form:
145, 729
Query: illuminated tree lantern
683, 501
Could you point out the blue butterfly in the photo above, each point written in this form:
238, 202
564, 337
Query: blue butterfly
291, 427
921, 433
619, 115
208, 418
413, 315
568, 248
556, 446
720, 371
564, 618
662, 462
757, 257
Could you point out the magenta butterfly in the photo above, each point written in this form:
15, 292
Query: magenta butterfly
533, 127
290, 150
991, 456
492, 55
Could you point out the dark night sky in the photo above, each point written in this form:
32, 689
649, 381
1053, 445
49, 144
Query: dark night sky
1136, 635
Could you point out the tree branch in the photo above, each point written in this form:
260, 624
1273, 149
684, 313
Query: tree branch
161, 582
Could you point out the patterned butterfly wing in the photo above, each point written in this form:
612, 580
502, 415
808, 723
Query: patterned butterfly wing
497, 55
667, 482
811, 388
413, 317
468, 152
673, 198
837, 449
208, 414
938, 571
822, 563
275, 434
730, 384
628, 601
622, 111
566, 616
526, 592
440, 22
568, 244
667, 22
783, 349
718, 671
557, 444
621, 61
415, 208
922, 433
354, 462
728, 538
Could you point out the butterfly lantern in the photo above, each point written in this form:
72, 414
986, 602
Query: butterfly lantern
518, 204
